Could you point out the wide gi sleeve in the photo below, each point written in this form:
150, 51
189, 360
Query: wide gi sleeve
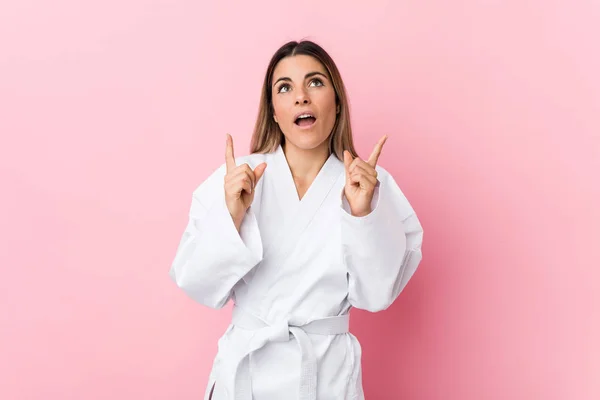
381, 250
212, 256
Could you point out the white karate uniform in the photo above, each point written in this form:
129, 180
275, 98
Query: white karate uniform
294, 271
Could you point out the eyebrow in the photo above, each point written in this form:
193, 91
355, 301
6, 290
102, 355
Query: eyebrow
309, 75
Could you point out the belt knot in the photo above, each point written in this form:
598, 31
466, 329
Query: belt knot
279, 331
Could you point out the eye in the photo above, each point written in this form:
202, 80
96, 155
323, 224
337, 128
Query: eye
317, 82
283, 88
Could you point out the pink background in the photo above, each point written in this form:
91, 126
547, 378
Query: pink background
111, 112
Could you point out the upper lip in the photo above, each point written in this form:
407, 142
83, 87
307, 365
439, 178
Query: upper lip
304, 112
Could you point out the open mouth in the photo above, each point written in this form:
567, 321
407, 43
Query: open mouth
305, 120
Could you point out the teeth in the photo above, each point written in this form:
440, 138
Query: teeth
305, 116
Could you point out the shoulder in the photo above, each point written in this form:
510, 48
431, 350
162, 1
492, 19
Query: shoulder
252, 160
390, 191
384, 175
387, 181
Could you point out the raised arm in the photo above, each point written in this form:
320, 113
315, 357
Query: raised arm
221, 242
381, 234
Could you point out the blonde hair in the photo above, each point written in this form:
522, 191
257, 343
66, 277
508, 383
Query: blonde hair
267, 134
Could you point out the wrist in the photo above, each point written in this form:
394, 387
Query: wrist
237, 221
362, 213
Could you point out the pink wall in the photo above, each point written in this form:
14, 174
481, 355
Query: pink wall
111, 112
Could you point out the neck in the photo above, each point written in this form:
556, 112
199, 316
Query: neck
306, 164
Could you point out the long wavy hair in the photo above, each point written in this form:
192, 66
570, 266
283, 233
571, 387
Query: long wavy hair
268, 136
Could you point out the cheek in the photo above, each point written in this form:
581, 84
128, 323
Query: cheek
328, 106
281, 109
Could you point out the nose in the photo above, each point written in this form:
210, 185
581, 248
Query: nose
302, 97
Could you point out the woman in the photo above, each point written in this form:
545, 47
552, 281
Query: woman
296, 237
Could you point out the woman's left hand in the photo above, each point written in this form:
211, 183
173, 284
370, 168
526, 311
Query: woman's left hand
361, 179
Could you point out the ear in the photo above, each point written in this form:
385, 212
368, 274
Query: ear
275, 119
337, 109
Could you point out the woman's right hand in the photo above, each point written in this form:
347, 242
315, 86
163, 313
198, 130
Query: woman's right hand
240, 182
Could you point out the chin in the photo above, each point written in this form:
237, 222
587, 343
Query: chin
307, 140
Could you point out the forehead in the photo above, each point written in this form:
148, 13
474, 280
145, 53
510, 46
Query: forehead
295, 67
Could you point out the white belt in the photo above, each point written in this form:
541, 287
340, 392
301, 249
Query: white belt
282, 332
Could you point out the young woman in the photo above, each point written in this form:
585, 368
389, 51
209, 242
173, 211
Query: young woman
296, 233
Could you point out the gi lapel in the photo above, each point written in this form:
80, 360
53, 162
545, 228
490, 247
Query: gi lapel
301, 211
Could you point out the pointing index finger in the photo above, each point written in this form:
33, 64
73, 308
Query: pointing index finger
377, 152
229, 157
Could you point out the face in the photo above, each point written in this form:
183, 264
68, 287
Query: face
303, 101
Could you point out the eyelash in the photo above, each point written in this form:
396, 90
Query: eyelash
313, 80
